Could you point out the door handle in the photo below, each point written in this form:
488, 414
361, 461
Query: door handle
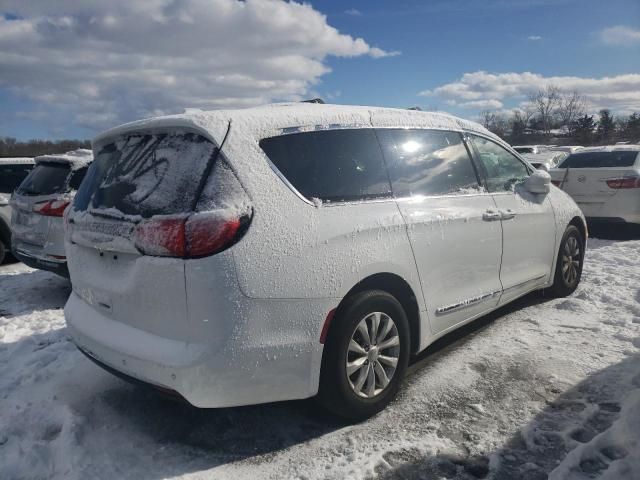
491, 216
507, 214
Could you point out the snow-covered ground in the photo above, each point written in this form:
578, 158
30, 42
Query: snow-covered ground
545, 387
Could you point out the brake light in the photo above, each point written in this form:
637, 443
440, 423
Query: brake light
198, 235
51, 208
623, 182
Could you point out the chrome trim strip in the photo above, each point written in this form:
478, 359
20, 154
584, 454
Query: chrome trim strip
466, 303
522, 284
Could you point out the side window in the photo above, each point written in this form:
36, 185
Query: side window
11, 176
427, 162
332, 165
76, 178
502, 168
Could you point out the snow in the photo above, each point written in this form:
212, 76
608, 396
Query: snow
546, 387
76, 159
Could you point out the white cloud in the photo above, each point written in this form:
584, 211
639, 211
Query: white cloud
534, 38
621, 93
620, 35
353, 12
100, 63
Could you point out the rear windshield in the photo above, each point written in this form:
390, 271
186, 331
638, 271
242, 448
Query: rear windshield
11, 176
46, 179
600, 159
146, 174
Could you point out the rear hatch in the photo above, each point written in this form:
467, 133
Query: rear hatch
44, 189
150, 201
593, 179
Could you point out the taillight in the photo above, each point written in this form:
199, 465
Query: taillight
198, 235
51, 208
623, 182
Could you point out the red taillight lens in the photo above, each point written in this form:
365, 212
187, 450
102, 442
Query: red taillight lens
199, 235
51, 208
624, 182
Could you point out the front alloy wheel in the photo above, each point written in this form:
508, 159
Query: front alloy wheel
569, 263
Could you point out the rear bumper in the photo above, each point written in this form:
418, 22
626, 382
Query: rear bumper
238, 370
56, 266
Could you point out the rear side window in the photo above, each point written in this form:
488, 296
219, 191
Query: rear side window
11, 176
147, 174
46, 179
600, 160
76, 178
332, 165
427, 162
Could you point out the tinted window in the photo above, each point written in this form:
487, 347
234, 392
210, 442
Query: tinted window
503, 169
11, 176
600, 159
426, 162
147, 175
332, 165
76, 178
46, 179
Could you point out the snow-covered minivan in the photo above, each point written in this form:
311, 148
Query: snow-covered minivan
37, 208
287, 251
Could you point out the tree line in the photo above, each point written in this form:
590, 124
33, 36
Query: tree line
553, 116
10, 147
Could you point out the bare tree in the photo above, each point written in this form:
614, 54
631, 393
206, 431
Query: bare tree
546, 102
570, 107
487, 118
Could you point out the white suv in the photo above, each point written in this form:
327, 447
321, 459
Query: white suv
247, 256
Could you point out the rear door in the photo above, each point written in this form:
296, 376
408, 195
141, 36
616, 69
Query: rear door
47, 181
451, 222
587, 178
135, 178
528, 221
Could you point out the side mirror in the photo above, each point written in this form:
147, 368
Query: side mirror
538, 182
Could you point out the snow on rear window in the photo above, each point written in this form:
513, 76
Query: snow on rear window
146, 174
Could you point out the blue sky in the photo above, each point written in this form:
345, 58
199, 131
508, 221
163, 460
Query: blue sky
70, 71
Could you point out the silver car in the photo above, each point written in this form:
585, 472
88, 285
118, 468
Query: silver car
12, 172
38, 205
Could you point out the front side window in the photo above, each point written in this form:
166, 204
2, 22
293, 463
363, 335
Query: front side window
502, 169
427, 162
331, 165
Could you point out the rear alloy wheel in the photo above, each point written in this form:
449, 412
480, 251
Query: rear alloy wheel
365, 356
569, 263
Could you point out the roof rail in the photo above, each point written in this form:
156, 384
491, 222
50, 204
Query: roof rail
314, 100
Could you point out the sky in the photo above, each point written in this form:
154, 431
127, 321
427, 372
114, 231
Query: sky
72, 68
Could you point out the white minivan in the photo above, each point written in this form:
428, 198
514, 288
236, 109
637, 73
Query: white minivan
287, 251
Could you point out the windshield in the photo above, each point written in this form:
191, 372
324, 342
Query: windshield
45, 179
146, 174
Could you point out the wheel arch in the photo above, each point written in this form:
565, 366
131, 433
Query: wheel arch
398, 287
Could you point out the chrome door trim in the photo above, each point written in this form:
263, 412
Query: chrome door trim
466, 303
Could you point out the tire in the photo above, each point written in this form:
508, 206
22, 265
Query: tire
342, 393
566, 280
3, 252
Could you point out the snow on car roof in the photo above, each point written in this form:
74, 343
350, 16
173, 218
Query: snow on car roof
609, 148
16, 160
78, 158
275, 119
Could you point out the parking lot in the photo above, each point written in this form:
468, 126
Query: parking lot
541, 386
